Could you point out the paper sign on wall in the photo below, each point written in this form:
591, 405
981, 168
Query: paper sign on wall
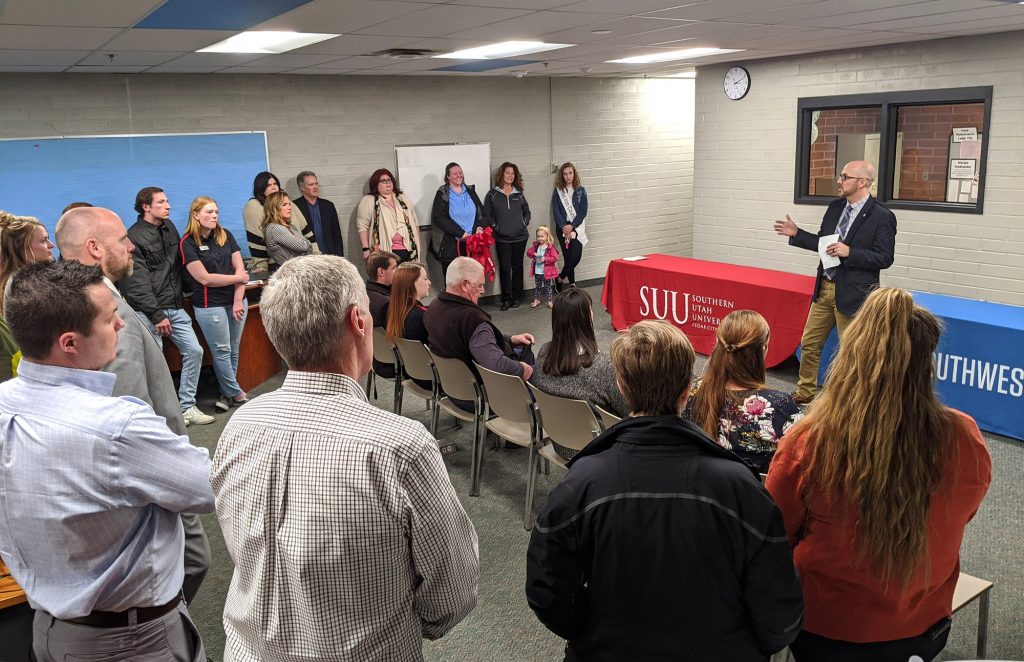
962, 168
960, 134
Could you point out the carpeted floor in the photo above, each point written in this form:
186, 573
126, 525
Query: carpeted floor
502, 626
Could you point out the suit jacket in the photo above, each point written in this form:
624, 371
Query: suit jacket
330, 243
872, 242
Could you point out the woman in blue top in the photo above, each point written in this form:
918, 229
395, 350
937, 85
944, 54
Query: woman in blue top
457, 213
214, 268
569, 209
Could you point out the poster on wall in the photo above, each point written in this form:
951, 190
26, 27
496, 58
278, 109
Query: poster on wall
962, 170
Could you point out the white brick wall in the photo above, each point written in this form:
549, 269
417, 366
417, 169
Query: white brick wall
632, 139
747, 150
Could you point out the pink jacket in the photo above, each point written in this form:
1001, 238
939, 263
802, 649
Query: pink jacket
550, 260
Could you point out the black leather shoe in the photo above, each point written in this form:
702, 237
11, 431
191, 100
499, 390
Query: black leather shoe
515, 303
504, 306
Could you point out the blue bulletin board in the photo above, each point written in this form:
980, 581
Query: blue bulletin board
40, 176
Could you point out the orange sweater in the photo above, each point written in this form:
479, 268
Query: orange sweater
842, 598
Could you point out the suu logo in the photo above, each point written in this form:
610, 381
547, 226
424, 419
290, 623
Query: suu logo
659, 303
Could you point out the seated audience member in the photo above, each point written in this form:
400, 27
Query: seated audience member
374, 551
876, 485
23, 241
320, 214
380, 267
730, 401
460, 329
659, 544
283, 236
253, 215
92, 483
96, 237
405, 312
571, 366
217, 277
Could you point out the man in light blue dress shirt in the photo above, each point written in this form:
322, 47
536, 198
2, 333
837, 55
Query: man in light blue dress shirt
91, 485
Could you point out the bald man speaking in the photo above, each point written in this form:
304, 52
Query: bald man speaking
865, 245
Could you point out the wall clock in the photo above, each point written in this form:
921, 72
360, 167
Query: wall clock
737, 83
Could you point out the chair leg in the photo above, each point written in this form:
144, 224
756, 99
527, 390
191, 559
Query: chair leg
399, 393
478, 456
983, 624
531, 483
434, 415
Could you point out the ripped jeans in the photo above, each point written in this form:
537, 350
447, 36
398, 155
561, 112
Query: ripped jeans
223, 334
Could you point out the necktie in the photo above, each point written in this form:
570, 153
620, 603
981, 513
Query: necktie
844, 227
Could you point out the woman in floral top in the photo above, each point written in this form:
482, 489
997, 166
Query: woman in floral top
730, 401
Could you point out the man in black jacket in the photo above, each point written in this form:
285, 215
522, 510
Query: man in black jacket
320, 214
153, 290
660, 544
866, 244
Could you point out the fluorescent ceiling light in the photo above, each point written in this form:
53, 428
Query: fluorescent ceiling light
668, 56
267, 41
504, 49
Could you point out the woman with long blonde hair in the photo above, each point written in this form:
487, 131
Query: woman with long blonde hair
876, 486
23, 240
731, 402
284, 238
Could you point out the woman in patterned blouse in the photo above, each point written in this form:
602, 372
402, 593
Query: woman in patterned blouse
730, 401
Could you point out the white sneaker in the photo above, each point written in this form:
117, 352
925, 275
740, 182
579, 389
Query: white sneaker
192, 415
223, 404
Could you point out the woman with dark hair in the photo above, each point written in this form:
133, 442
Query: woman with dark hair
405, 312
456, 214
387, 220
876, 485
569, 209
570, 365
284, 241
253, 215
508, 214
730, 401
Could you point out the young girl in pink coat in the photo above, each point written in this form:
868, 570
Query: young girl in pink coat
543, 265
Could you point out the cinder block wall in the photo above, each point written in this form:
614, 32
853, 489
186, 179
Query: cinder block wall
746, 152
632, 139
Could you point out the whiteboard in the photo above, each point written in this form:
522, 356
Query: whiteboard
421, 171
39, 176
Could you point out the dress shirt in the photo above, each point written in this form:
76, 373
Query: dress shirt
90, 490
347, 537
314, 220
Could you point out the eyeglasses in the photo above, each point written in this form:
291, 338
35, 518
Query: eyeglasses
384, 180
844, 177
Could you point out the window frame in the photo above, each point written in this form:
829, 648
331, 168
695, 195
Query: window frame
889, 104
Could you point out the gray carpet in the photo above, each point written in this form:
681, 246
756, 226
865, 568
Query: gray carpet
502, 626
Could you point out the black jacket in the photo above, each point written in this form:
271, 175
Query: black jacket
330, 243
155, 283
444, 231
872, 242
380, 300
661, 545
509, 215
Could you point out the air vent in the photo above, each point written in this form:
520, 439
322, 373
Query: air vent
404, 53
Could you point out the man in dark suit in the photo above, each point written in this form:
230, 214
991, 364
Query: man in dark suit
866, 244
320, 213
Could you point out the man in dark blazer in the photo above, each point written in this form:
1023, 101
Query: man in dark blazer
867, 242
320, 214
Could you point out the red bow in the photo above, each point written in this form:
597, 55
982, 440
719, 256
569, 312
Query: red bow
478, 247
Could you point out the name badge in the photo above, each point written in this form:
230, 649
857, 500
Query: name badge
204, 248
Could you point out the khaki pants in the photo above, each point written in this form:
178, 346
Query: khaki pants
820, 319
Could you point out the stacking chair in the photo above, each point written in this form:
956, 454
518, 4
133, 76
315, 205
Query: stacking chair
515, 420
457, 381
608, 419
386, 353
569, 423
417, 364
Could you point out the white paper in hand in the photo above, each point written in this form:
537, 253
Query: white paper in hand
827, 261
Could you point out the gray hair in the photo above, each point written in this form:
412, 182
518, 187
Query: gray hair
305, 306
300, 179
461, 268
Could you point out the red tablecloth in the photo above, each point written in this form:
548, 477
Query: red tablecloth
695, 295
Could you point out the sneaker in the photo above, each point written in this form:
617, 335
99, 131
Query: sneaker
223, 403
239, 400
193, 416
802, 399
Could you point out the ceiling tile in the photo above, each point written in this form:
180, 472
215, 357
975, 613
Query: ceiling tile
531, 26
622, 31
80, 13
354, 44
130, 58
357, 62
41, 58
925, 10
623, 8
166, 40
30, 69
54, 38
223, 15
180, 69
252, 70
735, 9
292, 60
971, 27
214, 60
438, 20
339, 17
520, 4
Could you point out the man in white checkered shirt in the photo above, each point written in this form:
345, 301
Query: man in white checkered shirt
348, 540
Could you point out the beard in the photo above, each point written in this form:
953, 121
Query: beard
117, 271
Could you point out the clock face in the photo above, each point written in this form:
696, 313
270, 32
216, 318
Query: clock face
737, 83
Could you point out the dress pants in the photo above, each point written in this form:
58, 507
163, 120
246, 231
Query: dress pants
810, 647
197, 555
573, 255
172, 637
821, 318
510, 268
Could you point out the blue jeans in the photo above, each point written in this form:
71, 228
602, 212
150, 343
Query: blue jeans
223, 334
184, 338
